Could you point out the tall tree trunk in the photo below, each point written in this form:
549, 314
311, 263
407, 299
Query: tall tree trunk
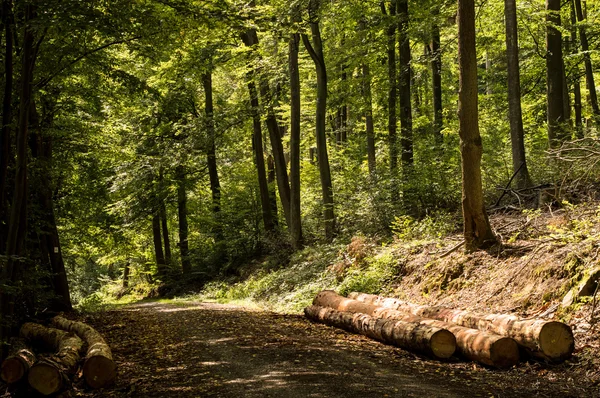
554, 74
477, 231
436, 72
519, 163
392, 94
158, 248
366, 72
585, 48
576, 79
295, 225
283, 184
316, 52
211, 157
257, 146
5, 141
126, 269
18, 216
184, 251
165, 231
406, 138
272, 183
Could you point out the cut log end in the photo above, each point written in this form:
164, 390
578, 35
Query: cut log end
99, 371
556, 341
12, 370
504, 353
443, 344
45, 378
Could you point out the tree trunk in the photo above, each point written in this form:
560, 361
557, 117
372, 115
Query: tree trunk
435, 342
477, 231
126, 270
46, 376
99, 369
211, 157
272, 183
554, 75
366, 72
519, 163
5, 141
20, 359
18, 216
165, 231
391, 57
585, 48
184, 250
544, 339
158, 247
576, 78
483, 347
436, 73
259, 157
316, 52
404, 82
295, 226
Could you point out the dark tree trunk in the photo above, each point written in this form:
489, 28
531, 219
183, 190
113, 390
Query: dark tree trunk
406, 132
369, 118
5, 141
316, 52
295, 225
436, 72
18, 215
211, 157
184, 250
165, 232
477, 231
126, 275
514, 96
554, 74
392, 94
589, 72
257, 146
283, 183
272, 183
576, 78
158, 248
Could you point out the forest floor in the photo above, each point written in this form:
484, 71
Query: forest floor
212, 350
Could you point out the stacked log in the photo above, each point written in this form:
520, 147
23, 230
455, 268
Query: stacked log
486, 348
550, 340
436, 342
20, 359
48, 374
99, 369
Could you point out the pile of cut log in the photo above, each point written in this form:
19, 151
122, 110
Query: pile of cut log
496, 340
50, 356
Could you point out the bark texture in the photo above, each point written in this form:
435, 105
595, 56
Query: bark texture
99, 369
549, 340
430, 340
295, 226
20, 359
182, 212
589, 71
554, 75
404, 82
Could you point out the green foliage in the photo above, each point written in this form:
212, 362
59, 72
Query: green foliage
433, 226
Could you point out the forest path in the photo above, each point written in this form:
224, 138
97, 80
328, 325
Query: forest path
213, 350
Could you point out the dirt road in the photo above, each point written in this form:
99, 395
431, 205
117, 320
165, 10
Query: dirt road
211, 350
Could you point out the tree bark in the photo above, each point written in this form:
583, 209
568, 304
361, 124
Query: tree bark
554, 75
436, 73
99, 369
316, 52
392, 94
543, 339
158, 248
211, 157
5, 139
46, 376
184, 250
477, 230
585, 48
406, 139
483, 347
517, 140
295, 226
126, 269
259, 157
20, 359
366, 72
433, 341
576, 78
165, 231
